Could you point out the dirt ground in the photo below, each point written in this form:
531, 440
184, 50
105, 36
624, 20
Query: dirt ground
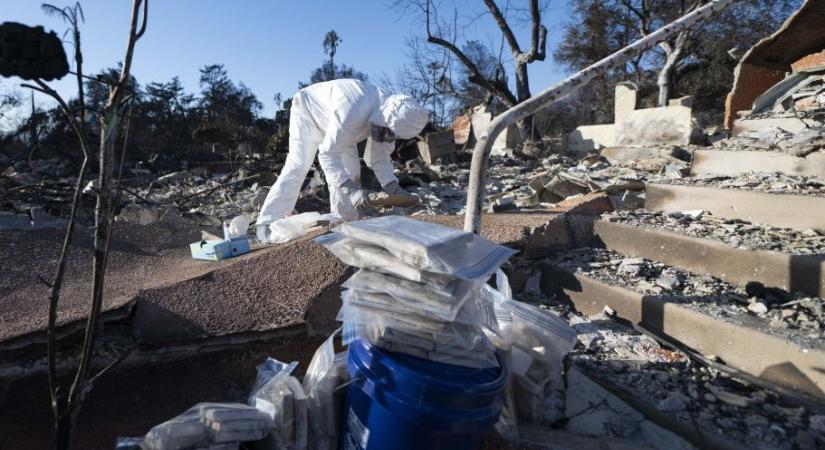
176, 300
175, 296
132, 399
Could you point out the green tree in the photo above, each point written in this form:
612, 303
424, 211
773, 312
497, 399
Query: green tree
331, 43
328, 69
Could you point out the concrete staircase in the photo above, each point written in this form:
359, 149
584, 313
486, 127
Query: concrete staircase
744, 343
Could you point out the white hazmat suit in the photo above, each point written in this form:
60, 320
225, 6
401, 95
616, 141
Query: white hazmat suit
332, 117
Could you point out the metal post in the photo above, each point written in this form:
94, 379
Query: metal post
481, 152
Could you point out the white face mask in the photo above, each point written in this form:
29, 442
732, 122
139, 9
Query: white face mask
381, 134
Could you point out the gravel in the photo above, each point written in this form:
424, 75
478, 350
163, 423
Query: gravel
773, 183
696, 395
736, 233
796, 317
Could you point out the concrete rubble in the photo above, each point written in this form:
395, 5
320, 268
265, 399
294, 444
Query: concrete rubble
774, 183
793, 316
634, 275
719, 409
737, 233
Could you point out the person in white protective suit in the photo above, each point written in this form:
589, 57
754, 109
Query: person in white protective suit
331, 118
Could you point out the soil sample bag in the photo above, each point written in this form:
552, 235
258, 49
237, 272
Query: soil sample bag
321, 383
182, 432
442, 302
538, 342
230, 422
280, 395
430, 247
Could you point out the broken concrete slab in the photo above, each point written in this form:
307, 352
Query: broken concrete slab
594, 411
174, 296
506, 229
780, 210
734, 163
790, 124
741, 344
140, 257
805, 142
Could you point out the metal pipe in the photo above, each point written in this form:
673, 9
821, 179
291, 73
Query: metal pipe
481, 152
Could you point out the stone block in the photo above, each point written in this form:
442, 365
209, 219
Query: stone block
625, 99
670, 125
543, 241
591, 137
436, 145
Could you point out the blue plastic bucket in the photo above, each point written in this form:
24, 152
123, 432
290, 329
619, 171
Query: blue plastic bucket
401, 402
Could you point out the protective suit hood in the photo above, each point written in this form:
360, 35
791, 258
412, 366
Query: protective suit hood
403, 115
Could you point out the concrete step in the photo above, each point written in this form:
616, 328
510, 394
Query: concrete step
620, 381
792, 273
625, 154
741, 340
734, 163
779, 210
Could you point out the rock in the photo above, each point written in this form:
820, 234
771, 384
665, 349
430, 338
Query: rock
503, 204
632, 266
810, 232
674, 402
757, 308
778, 323
668, 280
729, 397
259, 198
676, 171
694, 214
805, 142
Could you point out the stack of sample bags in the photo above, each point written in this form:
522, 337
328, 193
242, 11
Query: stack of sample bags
419, 288
209, 425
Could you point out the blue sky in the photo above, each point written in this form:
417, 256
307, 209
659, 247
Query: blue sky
270, 45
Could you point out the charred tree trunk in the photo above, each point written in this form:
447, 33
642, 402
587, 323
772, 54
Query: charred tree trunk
525, 126
673, 55
495, 86
66, 404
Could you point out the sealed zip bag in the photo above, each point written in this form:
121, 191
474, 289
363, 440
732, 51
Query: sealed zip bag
323, 382
281, 396
431, 247
372, 257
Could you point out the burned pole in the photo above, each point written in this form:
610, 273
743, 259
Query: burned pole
481, 152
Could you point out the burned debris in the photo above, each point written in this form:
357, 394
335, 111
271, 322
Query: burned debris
654, 280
